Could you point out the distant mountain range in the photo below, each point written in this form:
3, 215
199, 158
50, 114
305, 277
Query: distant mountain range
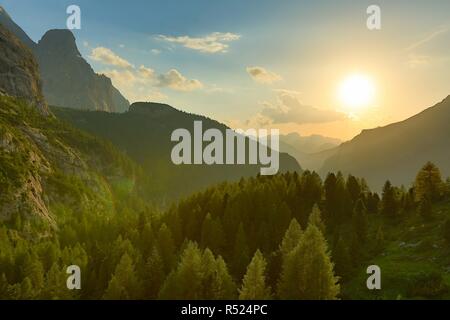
309, 151
68, 80
397, 151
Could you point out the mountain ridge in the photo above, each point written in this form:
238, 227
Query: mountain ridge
401, 148
144, 135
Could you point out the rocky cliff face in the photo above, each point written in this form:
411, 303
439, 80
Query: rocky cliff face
67, 79
19, 75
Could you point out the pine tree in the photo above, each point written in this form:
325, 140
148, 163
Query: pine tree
315, 218
254, 284
241, 256
428, 183
212, 235
217, 283
154, 274
342, 258
185, 283
166, 247
389, 201
34, 270
124, 281
353, 188
360, 221
55, 284
308, 270
291, 238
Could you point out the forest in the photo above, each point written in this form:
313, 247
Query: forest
287, 236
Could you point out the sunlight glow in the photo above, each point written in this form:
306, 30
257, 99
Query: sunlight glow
357, 92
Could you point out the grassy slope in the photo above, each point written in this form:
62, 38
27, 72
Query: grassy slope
415, 252
46, 164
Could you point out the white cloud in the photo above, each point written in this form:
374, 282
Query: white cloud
289, 109
147, 73
175, 80
121, 78
155, 51
415, 60
136, 85
140, 84
108, 57
428, 38
262, 75
213, 43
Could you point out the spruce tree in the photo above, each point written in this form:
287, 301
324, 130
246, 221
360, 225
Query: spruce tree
241, 256
154, 274
217, 282
124, 281
428, 183
254, 285
389, 201
315, 218
360, 221
308, 271
291, 238
185, 282
166, 247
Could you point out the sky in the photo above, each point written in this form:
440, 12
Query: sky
264, 64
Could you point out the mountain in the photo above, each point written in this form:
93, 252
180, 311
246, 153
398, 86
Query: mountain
309, 151
397, 151
48, 167
68, 80
310, 144
19, 75
144, 134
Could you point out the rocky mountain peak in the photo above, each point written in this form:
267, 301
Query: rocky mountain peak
19, 74
59, 41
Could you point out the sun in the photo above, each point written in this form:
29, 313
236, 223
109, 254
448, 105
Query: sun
357, 92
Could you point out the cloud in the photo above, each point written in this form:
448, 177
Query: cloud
415, 60
155, 51
289, 109
146, 73
108, 57
213, 43
175, 80
262, 75
136, 85
428, 38
140, 84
